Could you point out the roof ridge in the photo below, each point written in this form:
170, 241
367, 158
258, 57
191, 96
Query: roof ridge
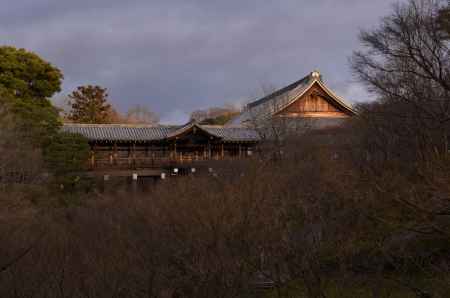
117, 132
211, 125
118, 125
280, 91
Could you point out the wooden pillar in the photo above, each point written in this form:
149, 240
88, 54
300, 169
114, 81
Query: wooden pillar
92, 159
134, 155
134, 183
152, 153
115, 154
110, 157
240, 152
209, 149
222, 151
167, 151
144, 162
175, 150
130, 153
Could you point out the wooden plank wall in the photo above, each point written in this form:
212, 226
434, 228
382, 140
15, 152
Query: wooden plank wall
314, 101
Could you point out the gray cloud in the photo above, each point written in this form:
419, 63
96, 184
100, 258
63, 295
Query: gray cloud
176, 56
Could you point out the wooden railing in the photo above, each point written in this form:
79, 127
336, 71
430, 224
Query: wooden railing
157, 162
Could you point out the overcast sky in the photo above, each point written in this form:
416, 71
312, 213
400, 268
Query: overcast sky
175, 56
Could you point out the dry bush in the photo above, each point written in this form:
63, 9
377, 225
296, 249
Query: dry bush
196, 237
321, 217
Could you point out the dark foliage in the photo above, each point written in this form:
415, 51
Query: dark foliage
27, 76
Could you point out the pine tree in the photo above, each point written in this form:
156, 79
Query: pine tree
27, 76
90, 105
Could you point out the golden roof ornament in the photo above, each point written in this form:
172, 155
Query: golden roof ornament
315, 74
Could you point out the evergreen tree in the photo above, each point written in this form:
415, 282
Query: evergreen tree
26, 84
27, 76
90, 105
30, 124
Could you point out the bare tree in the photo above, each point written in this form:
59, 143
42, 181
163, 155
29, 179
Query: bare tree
19, 162
275, 130
214, 115
406, 61
139, 114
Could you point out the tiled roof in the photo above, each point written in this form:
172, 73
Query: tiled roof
181, 129
232, 133
302, 82
269, 105
143, 133
118, 132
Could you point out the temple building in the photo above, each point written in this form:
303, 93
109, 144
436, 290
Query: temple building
126, 146
307, 99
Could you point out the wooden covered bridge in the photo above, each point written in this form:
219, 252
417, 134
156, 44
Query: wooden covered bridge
137, 147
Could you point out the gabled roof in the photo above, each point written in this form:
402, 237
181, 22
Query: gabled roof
273, 103
180, 130
228, 134
119, 132
231, 134
145, 133
302, 82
